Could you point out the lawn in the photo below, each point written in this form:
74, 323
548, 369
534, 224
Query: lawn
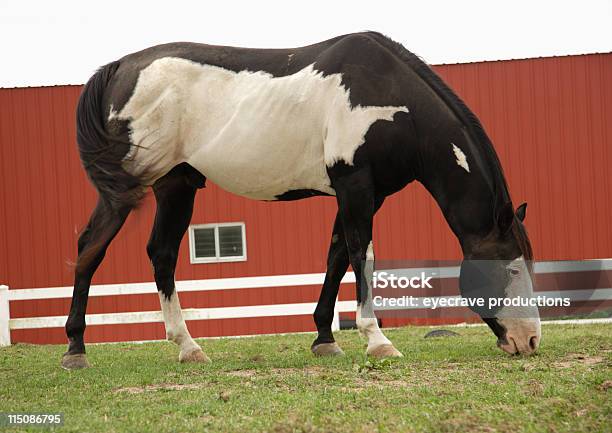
273, 383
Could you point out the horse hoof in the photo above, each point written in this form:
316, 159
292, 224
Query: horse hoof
194, 355
384, 351
327, 349
75, 362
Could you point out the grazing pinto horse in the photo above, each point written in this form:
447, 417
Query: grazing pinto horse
357, 117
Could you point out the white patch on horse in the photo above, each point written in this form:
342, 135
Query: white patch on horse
522, 323
250, 133
112, 114
368, 326
520, 286
461, 158
176, 329
370, 251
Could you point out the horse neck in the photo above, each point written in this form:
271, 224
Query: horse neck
468, 200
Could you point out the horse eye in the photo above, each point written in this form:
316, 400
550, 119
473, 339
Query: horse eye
514, 272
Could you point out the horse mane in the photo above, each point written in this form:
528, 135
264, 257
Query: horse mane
458, 107
474, 128
520, 234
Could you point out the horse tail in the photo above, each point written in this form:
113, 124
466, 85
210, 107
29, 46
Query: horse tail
102, 155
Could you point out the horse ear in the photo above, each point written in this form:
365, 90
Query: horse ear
521, 211
505, 216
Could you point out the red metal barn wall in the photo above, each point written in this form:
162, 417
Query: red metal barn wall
549, 119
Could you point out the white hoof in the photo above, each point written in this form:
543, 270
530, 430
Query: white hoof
384, 351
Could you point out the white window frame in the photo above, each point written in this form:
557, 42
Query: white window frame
217, 258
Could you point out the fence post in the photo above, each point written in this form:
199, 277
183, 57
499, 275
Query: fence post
5, 332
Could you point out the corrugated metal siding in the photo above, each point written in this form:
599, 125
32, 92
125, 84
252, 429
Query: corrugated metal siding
548, 118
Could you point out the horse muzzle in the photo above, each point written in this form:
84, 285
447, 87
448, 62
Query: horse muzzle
522, 336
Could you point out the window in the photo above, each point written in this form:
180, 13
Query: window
210, 243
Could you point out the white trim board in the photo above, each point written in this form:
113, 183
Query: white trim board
188, 314
305, 308
181, 286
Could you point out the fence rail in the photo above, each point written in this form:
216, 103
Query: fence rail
6, 296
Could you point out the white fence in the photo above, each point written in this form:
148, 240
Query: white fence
7, 324
5, 330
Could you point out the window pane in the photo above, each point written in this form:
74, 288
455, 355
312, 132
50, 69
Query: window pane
204, 242
230, 241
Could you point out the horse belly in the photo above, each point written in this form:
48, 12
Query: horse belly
261, 142
273, 155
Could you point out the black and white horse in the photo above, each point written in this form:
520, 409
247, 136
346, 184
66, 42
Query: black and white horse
357, 117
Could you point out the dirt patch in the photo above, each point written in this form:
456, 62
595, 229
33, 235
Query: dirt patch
581, 412
528, 367
573, 359
242, 373
358, 382
160, 387
224, 396
380, 382
251, 372
606, 385
534, 388
465, 422
307, 371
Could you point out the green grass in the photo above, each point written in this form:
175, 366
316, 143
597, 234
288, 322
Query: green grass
452, 384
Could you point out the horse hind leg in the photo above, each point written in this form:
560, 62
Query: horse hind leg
102, 227
175, 194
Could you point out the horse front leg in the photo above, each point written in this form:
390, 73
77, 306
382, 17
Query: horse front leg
337, 264
357, 205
